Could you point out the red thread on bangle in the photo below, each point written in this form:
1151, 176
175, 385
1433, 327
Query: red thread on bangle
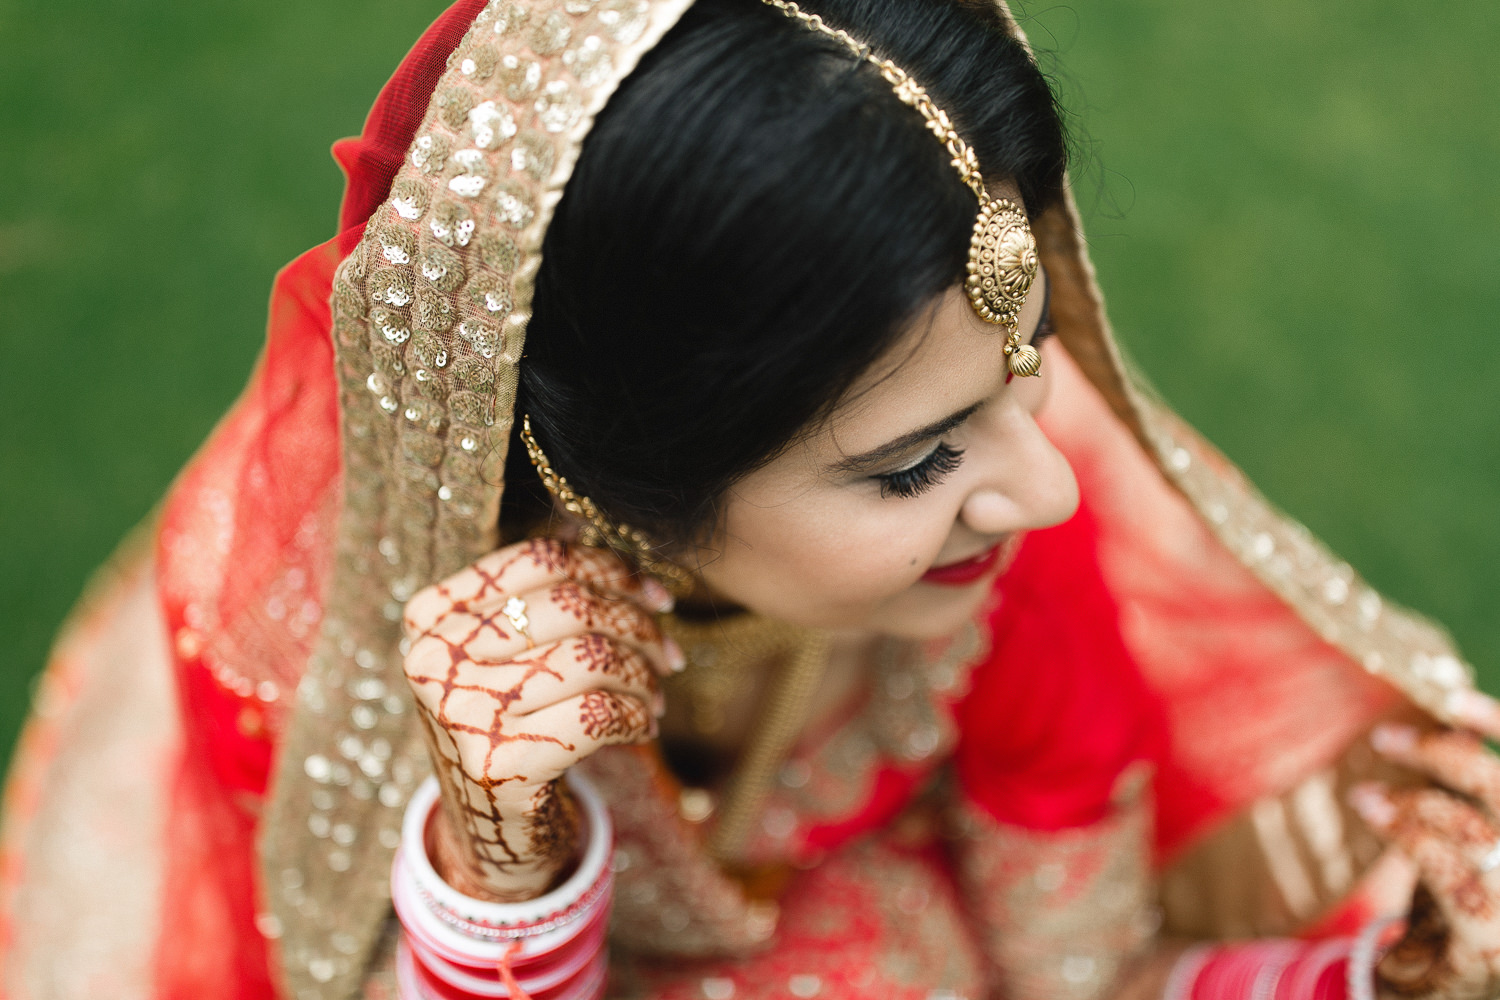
508, 976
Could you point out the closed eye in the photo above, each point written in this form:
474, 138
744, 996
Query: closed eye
922, 476
1044, 328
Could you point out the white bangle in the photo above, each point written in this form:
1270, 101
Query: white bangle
1363, 958
1269, 975
1185, 972
553, 942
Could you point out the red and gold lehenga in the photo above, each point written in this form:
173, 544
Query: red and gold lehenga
1149, 730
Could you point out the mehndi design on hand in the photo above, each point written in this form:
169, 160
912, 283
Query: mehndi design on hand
1451, 949
506, 714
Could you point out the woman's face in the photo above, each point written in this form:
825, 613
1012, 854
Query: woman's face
897, 513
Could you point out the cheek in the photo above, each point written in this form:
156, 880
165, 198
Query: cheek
827, 564
1032, 393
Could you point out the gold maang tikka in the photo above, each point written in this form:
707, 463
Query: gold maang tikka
597, 530
1002, 252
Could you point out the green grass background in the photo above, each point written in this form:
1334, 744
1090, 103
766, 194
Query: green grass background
1292, 207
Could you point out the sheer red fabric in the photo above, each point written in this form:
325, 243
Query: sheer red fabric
1059, 710
371, 160
1253, 700
245, 546
257, 505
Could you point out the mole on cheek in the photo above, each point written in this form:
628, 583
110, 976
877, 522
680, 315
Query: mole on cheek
913, 560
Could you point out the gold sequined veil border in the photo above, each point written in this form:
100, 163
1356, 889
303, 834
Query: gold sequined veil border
429, 319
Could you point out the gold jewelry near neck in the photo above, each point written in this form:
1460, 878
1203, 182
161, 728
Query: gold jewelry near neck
723, 658
598, 530
1002, 252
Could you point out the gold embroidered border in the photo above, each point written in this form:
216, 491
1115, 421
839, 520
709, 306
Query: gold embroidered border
429, 317
1391, 642
1060, 913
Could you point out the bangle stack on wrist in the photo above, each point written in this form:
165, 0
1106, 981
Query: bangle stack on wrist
455, 947
1280, 969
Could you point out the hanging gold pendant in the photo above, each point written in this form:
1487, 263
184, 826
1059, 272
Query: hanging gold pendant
1003, 258
1002, 265
1025, 360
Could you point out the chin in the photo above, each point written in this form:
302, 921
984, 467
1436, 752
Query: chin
929, 611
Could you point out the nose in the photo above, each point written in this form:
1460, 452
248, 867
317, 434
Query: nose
1025, 483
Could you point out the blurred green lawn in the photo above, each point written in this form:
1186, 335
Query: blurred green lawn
1293, 212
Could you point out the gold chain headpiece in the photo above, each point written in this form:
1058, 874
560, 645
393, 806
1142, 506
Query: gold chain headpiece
1002, 252
598, 530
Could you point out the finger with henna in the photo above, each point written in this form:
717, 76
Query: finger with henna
527, 566
536, 678
1475, 710
1442, 837
486, 634
1455, 759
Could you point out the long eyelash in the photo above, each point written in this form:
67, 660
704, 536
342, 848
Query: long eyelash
1044, 327
924, 475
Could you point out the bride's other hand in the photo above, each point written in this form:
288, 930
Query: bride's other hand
524, 663
1451, 948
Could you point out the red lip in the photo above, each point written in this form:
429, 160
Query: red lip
965, 571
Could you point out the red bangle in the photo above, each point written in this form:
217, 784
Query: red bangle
455, 947
1273, 969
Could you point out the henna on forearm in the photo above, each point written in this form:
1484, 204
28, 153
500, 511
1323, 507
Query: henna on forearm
1416, 966
503, 838
488, 845
552, 825
481, 862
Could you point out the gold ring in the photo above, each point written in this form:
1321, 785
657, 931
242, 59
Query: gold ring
515, 610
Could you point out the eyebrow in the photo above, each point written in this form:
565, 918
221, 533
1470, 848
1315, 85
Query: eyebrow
893, 449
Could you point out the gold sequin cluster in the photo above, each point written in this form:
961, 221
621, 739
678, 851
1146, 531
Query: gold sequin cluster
1003, 259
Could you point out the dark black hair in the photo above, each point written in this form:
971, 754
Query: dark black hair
752, 221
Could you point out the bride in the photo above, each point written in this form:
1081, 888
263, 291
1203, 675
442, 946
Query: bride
703, 450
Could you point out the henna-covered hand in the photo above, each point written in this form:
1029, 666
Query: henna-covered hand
506, 712
1451, 948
